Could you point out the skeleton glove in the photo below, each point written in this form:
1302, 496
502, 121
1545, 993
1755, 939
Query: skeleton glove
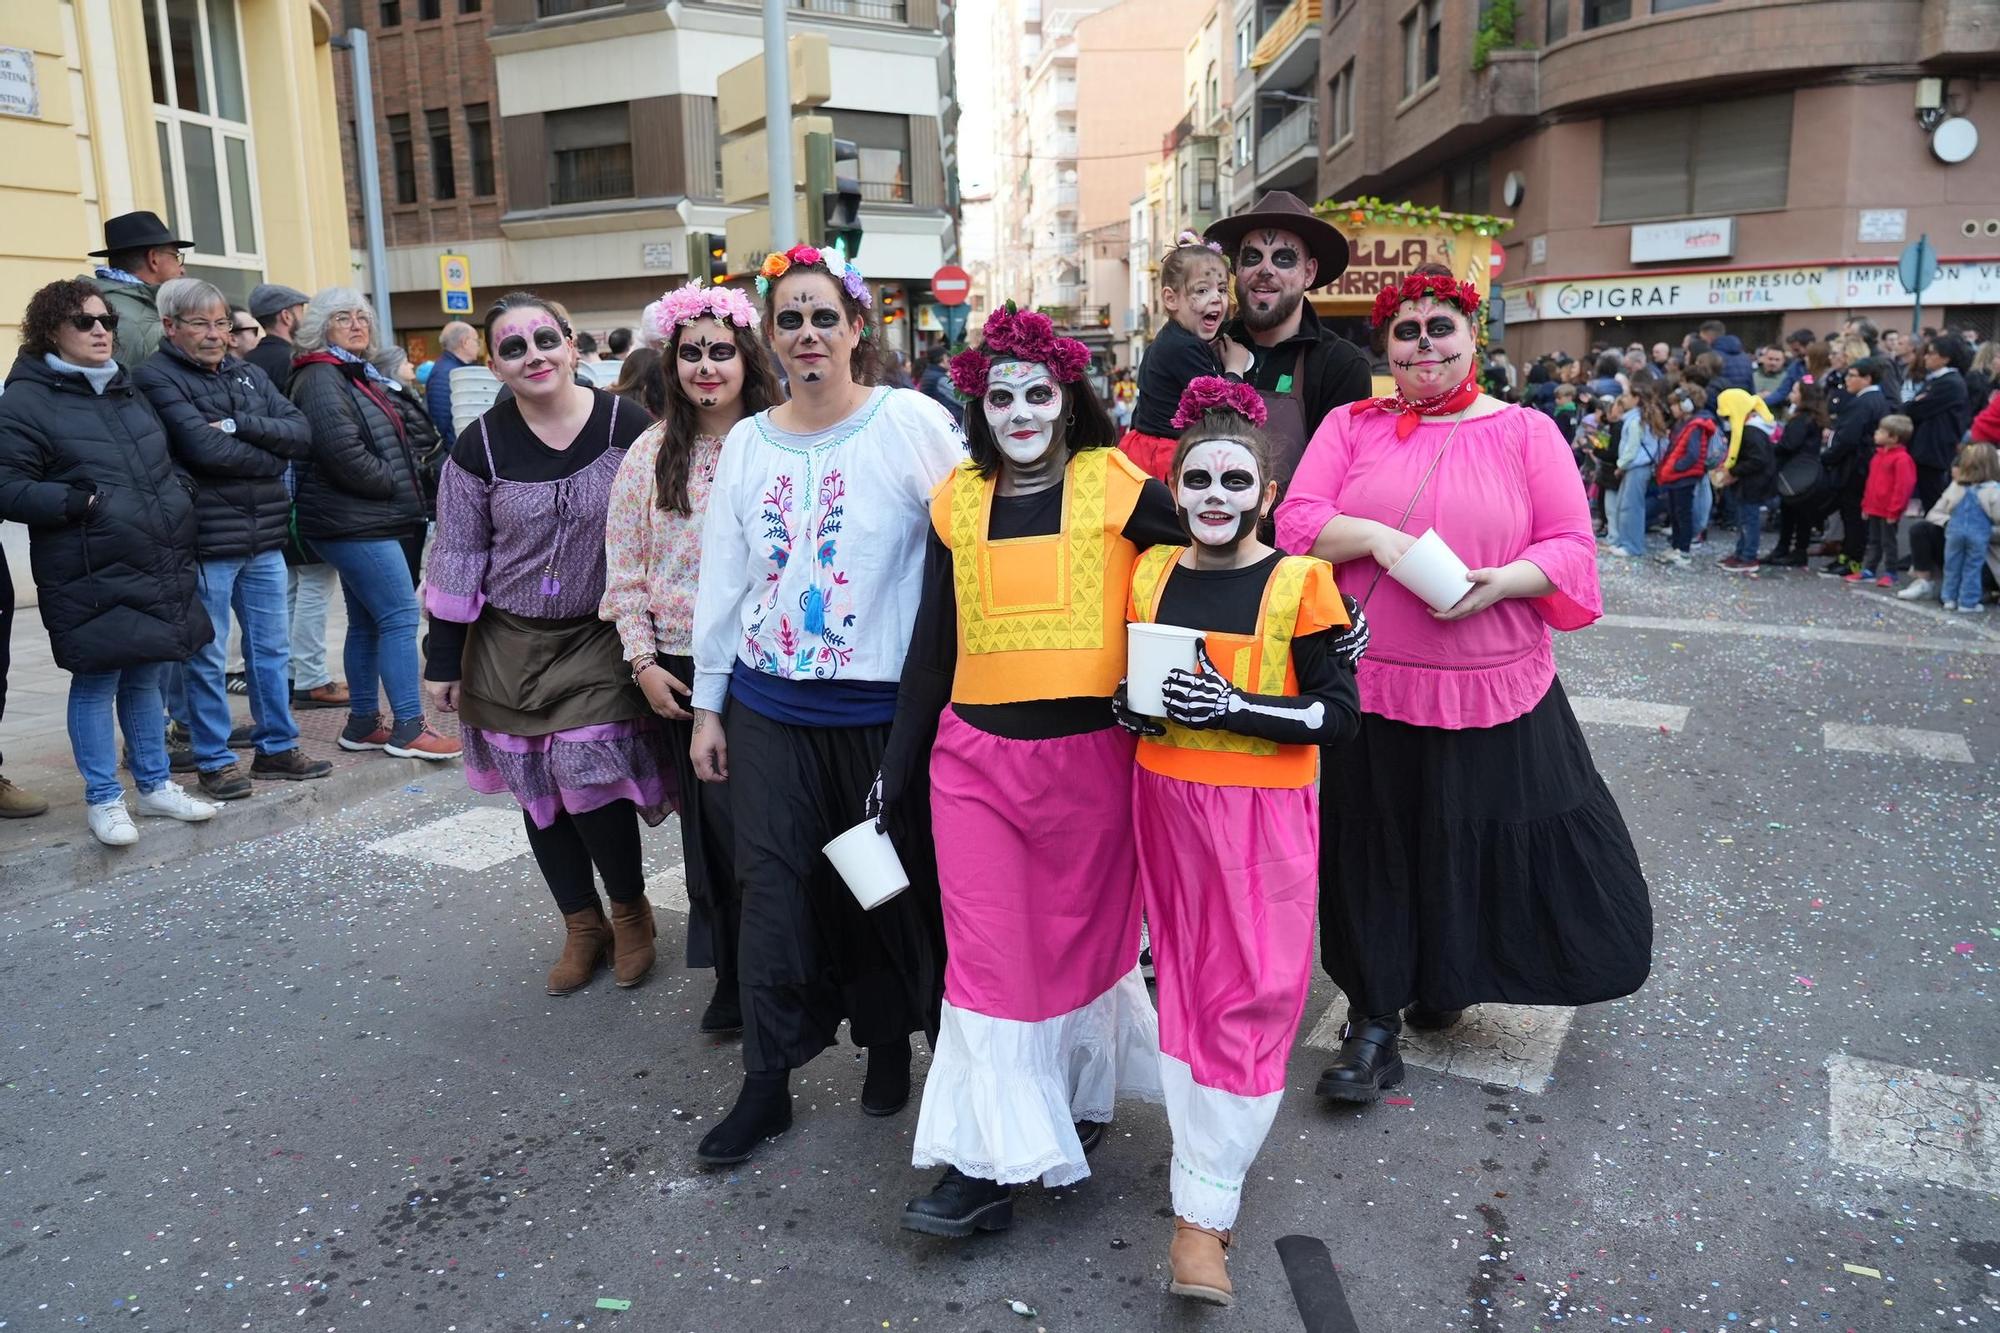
1199, 701
1136, 723
1353, 641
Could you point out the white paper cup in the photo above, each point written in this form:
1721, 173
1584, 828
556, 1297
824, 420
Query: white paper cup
867, 861
1151, 651
1432, 571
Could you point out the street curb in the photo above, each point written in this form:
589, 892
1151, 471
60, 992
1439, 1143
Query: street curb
76, 860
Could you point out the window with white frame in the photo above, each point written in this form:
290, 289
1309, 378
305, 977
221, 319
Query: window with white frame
1422, 40
1246, 40
201, 116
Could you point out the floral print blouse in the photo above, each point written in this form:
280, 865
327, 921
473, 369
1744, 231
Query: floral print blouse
652, 556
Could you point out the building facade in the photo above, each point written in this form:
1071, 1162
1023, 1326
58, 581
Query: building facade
218, 115
1274, 112
1665, 161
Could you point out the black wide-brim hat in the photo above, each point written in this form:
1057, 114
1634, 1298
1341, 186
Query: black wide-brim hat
1285, 211
136, 231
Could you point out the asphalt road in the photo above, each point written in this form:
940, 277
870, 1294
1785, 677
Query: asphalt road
303, 1084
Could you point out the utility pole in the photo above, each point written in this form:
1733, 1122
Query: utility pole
368, 167
778, 124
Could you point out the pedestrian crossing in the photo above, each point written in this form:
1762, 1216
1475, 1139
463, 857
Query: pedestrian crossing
488, 836
1670, 719
1511, 1045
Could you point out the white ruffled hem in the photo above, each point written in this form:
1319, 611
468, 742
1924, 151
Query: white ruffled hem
1003, 1096
1217, 1136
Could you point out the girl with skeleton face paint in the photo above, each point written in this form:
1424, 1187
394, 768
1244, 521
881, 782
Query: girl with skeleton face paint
1225, 806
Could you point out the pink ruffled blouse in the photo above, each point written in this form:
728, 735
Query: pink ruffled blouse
1505, 490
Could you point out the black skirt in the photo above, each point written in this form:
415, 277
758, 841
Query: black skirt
1478, 865
707, 854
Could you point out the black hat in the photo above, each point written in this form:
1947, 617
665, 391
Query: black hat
1287, 212
136, 231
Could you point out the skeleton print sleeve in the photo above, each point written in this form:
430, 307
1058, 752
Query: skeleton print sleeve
1325, 711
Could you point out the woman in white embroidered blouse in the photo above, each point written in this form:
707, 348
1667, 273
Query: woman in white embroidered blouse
811, 571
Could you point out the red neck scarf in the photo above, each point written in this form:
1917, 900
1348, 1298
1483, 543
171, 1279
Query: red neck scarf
1406, 412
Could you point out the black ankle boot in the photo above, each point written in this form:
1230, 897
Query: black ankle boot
1425, 1019
1090, 1133
725, 1009
1367, 1062
886, 1089
763, 1110
961, 1205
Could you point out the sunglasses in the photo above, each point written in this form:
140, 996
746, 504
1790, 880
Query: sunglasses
84, 323
241, 329
513, 347
823, 317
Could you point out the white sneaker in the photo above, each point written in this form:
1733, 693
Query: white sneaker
1918, 590
1976, 609
171, 801
111, 824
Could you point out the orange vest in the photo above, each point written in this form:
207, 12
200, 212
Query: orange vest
1299, 597
1041, 617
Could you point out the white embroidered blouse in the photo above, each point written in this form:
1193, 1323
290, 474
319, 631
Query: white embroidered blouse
812, 556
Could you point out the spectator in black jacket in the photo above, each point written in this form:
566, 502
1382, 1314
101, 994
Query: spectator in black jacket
1847, 455
1942, 410
84, 462
277, 310
237, 437
358, 499
1738, 371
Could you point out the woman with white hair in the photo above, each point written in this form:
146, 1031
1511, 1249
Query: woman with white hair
358, 498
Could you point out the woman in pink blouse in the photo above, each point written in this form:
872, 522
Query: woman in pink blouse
1470, 851
718, 373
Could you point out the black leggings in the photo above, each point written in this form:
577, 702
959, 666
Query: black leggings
606, 838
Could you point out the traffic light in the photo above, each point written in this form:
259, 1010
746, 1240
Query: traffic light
833, 168
708, 258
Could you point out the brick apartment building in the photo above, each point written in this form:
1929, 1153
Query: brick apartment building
570, 146
1664, 161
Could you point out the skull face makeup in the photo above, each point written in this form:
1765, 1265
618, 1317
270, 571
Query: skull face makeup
706, 363
1430, 347
1220, 493
1023, 406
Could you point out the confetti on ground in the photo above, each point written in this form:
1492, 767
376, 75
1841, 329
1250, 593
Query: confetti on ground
1399, 1101
1022, 1308
608, 1303
1862, 1270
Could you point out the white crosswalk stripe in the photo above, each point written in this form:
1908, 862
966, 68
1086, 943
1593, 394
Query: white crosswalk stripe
475, 839
1512, 1045
1949, 746
1914, 1123
1629, 713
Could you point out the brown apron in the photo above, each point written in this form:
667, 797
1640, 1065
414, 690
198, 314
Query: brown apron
528, 676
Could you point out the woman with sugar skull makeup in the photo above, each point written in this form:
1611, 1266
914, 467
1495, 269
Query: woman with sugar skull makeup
1225, 813
1019, 645
717, 373
1470, 850
811, 571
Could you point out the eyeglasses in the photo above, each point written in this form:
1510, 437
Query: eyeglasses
83, 323
514, 347
205, 325
823, 317
243, 330
348, 319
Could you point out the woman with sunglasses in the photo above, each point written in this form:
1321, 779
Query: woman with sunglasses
548, 709
84, 463
707, 337
812, 565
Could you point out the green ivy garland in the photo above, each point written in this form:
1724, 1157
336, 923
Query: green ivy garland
1366, 210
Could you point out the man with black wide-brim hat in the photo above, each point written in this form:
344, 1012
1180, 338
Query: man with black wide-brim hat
1280, 249
139, 254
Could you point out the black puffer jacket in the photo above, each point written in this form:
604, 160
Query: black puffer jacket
242, 507
362, 481
116, 577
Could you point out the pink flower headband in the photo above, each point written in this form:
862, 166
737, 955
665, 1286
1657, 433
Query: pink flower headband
1212, 393
1011, 334
684, 305
1188, 238
832, 259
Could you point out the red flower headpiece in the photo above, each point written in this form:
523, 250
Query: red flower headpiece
1206, 393
1435, 285
1012, 334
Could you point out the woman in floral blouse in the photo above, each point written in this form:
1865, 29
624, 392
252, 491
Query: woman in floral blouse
719, 374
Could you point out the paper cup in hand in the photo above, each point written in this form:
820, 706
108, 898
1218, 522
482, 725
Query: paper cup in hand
1432, 571
1151, 651
867, 861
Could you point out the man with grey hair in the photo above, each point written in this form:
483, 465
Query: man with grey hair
237, 436
460, 342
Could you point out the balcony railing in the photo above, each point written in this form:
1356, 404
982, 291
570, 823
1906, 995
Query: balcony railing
1066, 195
885, 192
1071, 316
881, 11
1294, 132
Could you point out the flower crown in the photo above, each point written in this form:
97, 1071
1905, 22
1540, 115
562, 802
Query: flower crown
1188, 238
1012, 334
833, 259
1435, 285
684, 305
1212, 393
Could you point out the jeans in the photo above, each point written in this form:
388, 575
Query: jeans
310, 589
93, 738
1749, 529
6, 630
1964, 561
1631, 506
256, 588
381, 625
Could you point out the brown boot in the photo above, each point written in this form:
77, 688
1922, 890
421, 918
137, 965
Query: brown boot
632, 949
1200, 1265
583, 950
17, 803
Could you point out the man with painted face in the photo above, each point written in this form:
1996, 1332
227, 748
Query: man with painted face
1018, 645
1302, 370
1225, 811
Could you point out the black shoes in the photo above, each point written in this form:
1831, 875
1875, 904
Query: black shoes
291, 764
1367, 1063
763, 1110
1431, 1020
886, 1089
1089, 1133
725, 1009
961, 1205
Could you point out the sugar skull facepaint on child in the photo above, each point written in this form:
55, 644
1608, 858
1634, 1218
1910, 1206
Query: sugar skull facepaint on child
1220, 492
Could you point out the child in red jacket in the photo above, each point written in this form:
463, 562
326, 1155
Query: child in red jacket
1892, 479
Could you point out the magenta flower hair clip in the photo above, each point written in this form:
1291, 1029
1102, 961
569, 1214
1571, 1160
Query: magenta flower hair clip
1013, 334
1212, 393
684, 305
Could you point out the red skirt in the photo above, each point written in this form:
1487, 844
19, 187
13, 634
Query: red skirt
1153, 453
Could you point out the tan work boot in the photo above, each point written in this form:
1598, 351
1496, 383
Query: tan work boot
15, 803
583, 950
1199, 1263
632, 929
